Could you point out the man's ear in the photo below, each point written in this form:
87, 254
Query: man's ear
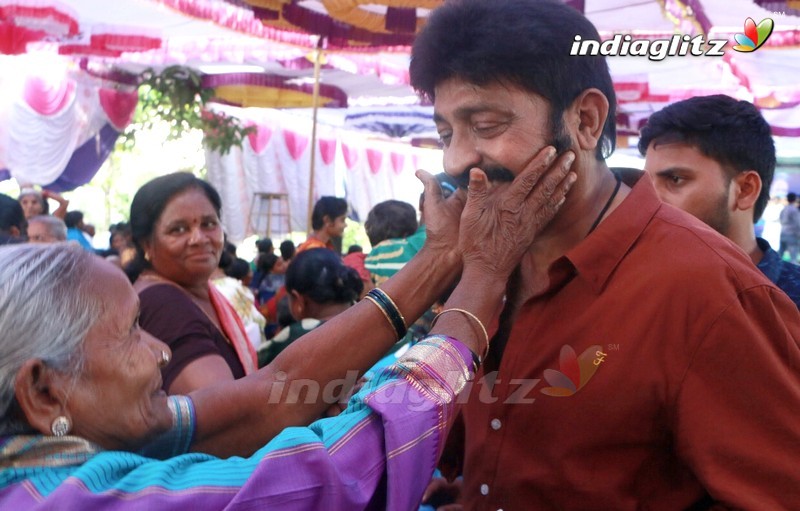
747, 188
588, 113
41, 394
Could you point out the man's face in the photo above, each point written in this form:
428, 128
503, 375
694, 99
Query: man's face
38, 232
686, 178
335, 228
496, 127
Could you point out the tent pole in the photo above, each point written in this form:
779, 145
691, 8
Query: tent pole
315, 99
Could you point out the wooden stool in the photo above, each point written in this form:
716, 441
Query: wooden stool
270, 215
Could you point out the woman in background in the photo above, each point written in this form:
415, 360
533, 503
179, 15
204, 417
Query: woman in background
35, 203
175, 224
319, 287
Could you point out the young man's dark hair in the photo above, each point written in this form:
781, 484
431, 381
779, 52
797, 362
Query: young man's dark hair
727, 130
331, 207
462, 40
12, 220
264, 245
390, 219
73, 219
287, 249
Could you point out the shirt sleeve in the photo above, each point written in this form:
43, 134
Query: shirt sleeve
736, 411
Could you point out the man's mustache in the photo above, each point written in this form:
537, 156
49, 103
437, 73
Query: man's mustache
500, 174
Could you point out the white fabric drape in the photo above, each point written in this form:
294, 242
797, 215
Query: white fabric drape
348, 164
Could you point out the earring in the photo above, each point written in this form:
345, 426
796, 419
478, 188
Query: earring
60, 426
147, 256
164, 359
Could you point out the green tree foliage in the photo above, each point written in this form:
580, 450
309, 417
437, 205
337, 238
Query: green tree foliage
176, 96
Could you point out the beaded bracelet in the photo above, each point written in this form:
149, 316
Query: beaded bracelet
474, 318
389, 310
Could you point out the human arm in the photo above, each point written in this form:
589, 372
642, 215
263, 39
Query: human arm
735, 416
235, 417
61, 210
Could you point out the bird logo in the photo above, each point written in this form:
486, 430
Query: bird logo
574, 371
754, 35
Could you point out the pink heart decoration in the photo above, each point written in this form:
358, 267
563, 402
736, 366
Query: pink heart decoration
119, 106
47, 98
295, 143
397, 162
374, 158
350, 156
259, 138
327, 149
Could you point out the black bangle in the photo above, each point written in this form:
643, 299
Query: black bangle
392, 312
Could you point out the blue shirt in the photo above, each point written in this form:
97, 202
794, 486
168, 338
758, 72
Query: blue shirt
782, 273
76, 235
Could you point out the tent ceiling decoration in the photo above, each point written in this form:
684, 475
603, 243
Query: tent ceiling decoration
349, 23
271, 91
23, 22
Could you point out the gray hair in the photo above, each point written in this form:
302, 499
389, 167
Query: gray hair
55, 226
46, 311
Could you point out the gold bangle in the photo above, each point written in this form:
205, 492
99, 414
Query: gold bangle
469, 315
380, 308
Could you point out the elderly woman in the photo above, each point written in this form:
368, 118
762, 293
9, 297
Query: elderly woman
175, 226
35, 203
82, 414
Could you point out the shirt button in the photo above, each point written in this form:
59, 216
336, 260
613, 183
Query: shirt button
484, 489
496, 424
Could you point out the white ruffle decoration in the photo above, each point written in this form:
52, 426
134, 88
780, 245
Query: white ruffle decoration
41, 145
35, 146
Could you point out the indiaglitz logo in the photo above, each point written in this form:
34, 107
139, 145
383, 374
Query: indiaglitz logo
754, 35
656, 49
574, 371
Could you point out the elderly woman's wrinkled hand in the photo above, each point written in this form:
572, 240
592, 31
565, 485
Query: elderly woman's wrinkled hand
500, 220
441, 215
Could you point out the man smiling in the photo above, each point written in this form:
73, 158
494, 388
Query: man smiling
621, 374
713, 157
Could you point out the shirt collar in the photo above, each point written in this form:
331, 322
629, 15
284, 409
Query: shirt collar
596, 257
770, 264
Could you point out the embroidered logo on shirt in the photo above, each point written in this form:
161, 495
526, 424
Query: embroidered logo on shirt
574, 371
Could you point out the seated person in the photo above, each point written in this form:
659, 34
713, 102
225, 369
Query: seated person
35, 203
46, 229
328, 221
13, 226
388, 225
75, 230
319, 286
176, 228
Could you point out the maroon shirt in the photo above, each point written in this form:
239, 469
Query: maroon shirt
168, 314
660, 370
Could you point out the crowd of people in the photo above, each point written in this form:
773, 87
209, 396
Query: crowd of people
548, 332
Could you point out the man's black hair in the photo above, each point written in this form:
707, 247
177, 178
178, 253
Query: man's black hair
731, 132
519, 42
